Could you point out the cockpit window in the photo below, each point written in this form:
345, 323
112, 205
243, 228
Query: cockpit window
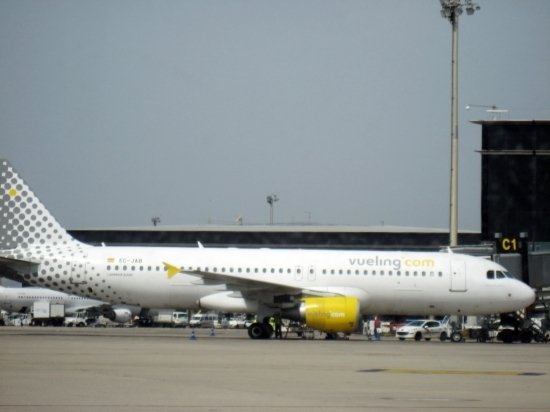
492, 274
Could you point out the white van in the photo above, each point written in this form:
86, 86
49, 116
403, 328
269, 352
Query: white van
204, 320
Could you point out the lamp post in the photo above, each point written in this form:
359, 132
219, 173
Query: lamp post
451, 9
271, 199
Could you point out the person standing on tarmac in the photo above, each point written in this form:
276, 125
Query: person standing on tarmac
278, 326
367, 329
377, 328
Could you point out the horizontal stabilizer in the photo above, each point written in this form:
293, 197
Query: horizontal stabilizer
14, 268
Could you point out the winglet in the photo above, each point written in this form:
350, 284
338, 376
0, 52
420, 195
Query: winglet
171, 270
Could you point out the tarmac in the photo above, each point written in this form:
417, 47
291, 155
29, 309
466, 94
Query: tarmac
142, 369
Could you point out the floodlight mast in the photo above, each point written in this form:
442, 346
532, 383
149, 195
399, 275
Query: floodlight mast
450, 10
271, 199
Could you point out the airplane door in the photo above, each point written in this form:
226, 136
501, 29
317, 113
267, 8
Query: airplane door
458, 276
298, 273
311, 273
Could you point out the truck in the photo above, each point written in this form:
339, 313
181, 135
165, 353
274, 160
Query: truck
170, 318
79, 319
47, 313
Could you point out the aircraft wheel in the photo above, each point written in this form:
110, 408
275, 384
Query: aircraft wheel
256, 330
260, 331
507, 336
526, 336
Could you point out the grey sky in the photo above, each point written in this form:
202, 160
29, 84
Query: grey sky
116, 111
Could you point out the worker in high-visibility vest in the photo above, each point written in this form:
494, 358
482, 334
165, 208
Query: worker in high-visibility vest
278, 326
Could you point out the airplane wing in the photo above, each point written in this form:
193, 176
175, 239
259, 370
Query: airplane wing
245, 284
232, 281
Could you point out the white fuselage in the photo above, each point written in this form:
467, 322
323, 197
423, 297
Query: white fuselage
384, 282
22, 299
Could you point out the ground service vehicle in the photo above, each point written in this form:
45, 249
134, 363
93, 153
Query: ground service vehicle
180, 319
47, 313
204, 320
79, 319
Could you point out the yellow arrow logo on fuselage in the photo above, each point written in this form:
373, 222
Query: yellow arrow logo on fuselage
171, 270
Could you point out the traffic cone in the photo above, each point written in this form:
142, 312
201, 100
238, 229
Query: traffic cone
212, 332
193, 337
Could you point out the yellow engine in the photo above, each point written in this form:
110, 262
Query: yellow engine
331, 314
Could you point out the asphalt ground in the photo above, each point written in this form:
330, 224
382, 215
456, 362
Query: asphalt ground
141, 369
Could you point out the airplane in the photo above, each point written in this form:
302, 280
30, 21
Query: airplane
21, 300
327, 290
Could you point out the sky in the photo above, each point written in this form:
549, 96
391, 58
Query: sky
194, 111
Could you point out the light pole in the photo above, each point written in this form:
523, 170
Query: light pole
271, 199
451, 9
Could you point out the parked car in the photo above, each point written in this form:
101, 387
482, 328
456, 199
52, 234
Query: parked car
423, 329
237, 322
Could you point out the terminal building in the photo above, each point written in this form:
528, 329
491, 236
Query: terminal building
515, 195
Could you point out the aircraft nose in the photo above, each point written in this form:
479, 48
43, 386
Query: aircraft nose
524, 294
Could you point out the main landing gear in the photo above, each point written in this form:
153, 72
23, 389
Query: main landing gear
260, 330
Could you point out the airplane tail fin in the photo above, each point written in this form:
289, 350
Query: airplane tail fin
24, 220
